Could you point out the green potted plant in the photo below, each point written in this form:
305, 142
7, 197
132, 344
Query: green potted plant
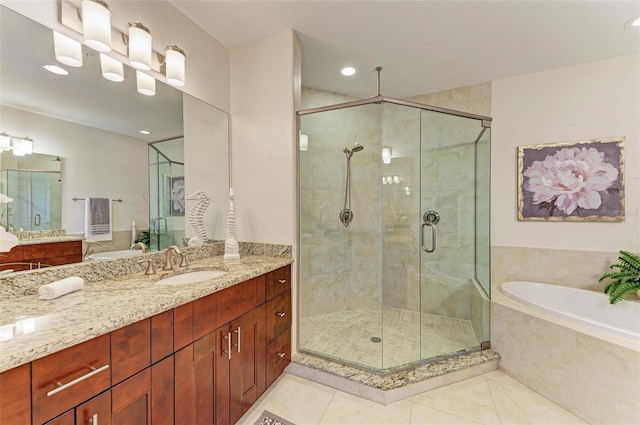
625, 279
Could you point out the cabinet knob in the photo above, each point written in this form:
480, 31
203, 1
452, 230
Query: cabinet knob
281, 355
281, 314
282, 280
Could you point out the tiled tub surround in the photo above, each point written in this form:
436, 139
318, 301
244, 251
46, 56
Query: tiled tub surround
594, 375
116, 294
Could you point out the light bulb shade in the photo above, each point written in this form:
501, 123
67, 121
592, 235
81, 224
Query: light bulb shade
174, 63
304, 142
386, 155
146, 84
139, 46
16, 145
96, 25
68, 51
5, 142
112, 69
26, 145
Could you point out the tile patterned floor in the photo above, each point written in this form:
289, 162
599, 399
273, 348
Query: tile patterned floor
493, 398
407, 336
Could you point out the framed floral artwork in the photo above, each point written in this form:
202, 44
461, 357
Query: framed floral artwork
177, 196
572, 181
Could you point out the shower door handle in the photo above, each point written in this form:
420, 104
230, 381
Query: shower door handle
433, 237
429, 219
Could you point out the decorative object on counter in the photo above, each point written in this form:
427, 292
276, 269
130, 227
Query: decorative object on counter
572, 181
60, 288
7, 240
196, 217
231, 247
97, 219
624, 281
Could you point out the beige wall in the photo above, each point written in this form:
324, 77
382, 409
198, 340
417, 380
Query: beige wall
263, 83
593, 100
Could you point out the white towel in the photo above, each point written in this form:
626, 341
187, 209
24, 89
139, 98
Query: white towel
61, 287
97, 219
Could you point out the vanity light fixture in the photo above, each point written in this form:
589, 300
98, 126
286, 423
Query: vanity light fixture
139, 46
386, 155
56, 69
348, 71
174, 65
5, 142
96, 25
68, 51
112, 69
304, 142
146, 84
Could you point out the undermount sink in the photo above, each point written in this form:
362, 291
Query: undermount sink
191, 277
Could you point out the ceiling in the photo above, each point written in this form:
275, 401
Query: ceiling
425, 46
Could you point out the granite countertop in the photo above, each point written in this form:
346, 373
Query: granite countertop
49, 239
31, 328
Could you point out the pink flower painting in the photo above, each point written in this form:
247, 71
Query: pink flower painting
582, 180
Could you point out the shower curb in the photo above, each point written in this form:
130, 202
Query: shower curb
385, 389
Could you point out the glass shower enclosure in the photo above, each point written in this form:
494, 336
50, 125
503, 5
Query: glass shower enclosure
393, 233
166, 194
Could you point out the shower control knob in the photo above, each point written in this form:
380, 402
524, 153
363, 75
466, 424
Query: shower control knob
431, 217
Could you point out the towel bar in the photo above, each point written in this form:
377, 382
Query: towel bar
82, 199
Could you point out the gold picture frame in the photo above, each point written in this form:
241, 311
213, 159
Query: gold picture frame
572, 181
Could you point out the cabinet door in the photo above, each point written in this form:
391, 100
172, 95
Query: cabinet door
194, 382
132, 400
15, 396
95, 411
247, 370
162, 392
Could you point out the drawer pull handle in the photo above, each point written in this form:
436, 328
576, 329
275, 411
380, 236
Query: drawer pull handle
238, 344
281, 314
282, 280
62, 386
228, 351
93, 420
281, 355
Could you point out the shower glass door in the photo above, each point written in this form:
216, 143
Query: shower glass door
453, 202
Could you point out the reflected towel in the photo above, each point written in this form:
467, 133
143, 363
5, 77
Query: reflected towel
97, 219
60, 287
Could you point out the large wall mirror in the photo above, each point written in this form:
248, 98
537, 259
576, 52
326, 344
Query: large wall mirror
92, 127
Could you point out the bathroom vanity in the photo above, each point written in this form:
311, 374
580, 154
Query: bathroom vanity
197, 353
30, 254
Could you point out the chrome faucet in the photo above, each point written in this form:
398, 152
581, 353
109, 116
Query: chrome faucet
168, 264
139, 245
89, 251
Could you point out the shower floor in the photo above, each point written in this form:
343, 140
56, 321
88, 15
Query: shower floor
407, 336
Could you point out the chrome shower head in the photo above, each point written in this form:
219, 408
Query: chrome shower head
357, 147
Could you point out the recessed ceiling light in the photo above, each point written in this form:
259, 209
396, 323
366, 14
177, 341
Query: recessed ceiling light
633, 23
56, 69
145, 132
348, 71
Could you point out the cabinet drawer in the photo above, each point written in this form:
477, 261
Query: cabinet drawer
278, 313
278, 281
82, 371
233, 302
278, 356
61, 249
33, 252
130, 350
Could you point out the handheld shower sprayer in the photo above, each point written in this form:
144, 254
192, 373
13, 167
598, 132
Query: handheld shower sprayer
346, 215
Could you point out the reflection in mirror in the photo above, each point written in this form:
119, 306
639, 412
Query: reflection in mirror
33, 182
95, 126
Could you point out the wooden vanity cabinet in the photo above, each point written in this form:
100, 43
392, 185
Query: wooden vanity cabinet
45, 254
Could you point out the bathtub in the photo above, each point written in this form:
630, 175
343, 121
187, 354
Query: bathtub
581, 306
571, 346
